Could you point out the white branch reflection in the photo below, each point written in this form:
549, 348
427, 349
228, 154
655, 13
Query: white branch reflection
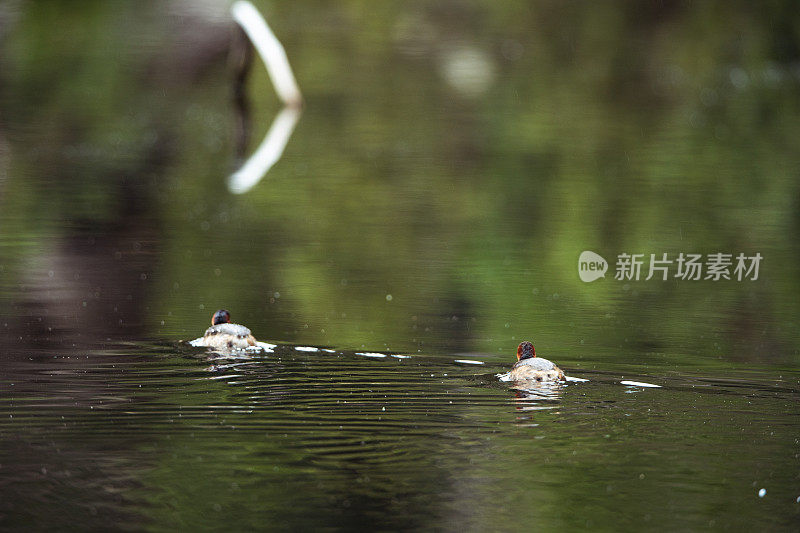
272, 53
267, 154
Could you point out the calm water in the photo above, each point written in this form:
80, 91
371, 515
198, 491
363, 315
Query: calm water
450, 164
160, 437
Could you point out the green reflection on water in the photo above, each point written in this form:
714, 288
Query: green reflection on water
605, 128
148, 438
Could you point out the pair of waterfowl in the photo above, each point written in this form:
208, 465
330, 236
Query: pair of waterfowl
225, 337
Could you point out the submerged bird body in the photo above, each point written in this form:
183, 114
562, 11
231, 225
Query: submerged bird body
223, 336
228, 337
532, 368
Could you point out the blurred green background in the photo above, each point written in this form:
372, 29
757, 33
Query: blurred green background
451, 163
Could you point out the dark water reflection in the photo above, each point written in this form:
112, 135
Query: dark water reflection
450, 165
159, 437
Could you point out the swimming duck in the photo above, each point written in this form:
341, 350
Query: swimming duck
224, 336
531, 368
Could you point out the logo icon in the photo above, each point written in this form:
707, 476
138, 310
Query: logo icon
591, 266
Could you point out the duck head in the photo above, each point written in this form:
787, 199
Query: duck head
220, 317
525, 351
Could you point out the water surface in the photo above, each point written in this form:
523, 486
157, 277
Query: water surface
164, 437
449, 166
